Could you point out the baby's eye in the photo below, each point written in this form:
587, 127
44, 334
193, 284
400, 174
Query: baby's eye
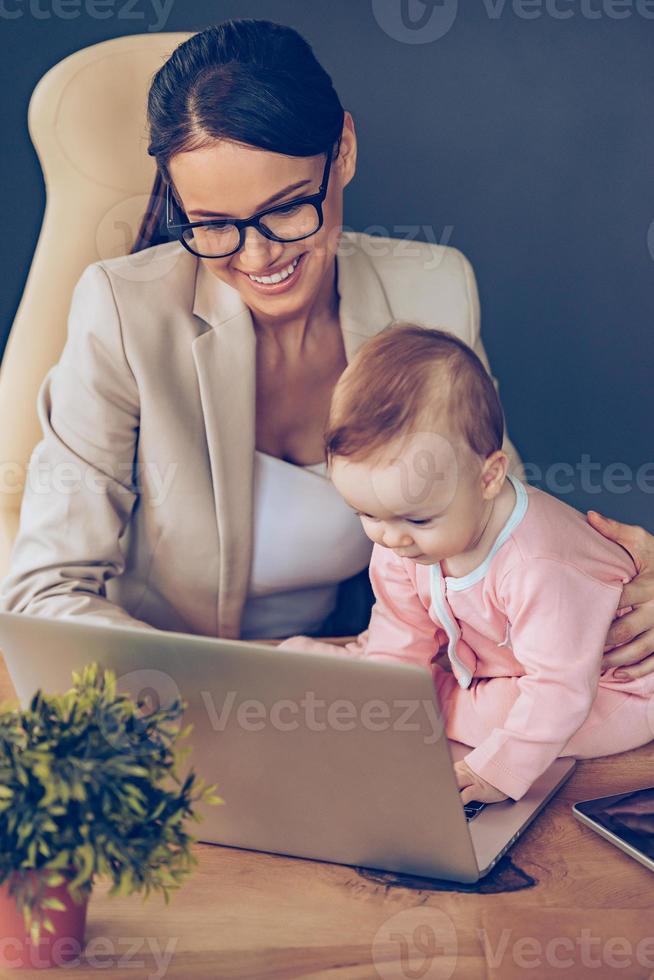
422, 521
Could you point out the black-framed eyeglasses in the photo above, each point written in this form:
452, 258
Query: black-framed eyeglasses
291, 221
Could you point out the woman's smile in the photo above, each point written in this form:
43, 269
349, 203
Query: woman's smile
289, 273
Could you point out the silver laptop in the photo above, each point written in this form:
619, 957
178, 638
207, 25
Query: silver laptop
316, 756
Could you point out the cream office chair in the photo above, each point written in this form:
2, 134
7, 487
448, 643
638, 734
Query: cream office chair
87, 120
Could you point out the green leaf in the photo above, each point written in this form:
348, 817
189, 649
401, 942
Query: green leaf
125, 883
61, 860
47, 798
53, 903
84, 858
54, 880
135, 771
78, 792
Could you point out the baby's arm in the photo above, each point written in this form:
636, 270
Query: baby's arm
400, 627
559, 617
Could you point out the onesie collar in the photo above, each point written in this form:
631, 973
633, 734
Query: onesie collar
514, 518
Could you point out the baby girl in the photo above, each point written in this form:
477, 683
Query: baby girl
514, 584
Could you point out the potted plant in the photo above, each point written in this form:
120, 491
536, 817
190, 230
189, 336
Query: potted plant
88, 785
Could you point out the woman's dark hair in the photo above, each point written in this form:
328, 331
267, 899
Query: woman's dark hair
249, 81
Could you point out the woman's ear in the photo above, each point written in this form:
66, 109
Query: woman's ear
493, 474
347, 157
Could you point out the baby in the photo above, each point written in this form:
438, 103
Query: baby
513, 583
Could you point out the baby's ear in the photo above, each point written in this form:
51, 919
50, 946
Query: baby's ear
493, 474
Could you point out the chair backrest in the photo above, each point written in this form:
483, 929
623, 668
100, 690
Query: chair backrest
87, 120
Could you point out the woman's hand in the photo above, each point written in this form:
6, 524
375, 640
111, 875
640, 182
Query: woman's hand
473, 787
630, 639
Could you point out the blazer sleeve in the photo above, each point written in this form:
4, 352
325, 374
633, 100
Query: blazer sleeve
79, 491
559, 618
475, 341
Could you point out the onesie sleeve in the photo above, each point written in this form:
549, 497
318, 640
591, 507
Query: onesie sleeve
400, 626
559, 618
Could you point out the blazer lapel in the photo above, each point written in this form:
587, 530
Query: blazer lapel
364, 309
225, 361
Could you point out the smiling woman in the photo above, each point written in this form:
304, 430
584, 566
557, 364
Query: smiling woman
217, 368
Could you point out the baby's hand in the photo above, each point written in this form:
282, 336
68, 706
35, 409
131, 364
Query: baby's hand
473, 787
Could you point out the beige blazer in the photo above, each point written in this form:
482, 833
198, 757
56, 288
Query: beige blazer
138, 499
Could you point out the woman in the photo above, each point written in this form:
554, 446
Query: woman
190, 407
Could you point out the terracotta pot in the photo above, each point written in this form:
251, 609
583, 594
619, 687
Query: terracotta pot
56, 948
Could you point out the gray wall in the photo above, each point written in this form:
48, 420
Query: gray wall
520, 132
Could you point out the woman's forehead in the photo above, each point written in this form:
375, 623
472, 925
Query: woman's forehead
231, 178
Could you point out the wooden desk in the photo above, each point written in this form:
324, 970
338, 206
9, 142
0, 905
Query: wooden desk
249, 915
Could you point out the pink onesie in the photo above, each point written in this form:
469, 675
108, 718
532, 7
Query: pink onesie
525, 634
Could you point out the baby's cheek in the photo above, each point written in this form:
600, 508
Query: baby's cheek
427, 542
372, 530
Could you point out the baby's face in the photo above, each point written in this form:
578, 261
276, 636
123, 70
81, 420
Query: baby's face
422, 498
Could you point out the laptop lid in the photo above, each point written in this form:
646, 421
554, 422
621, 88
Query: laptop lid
316, 756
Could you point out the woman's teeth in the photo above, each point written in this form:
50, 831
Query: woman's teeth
277, 276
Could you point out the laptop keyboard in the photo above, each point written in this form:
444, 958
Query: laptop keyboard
472, 809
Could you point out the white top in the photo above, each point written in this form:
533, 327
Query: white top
306, 541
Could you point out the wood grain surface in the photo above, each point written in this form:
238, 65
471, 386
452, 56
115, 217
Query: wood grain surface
245, 914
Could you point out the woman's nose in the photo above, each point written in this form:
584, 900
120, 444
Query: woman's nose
257, 249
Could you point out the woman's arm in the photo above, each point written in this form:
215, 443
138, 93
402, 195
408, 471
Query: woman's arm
79, 496
631, 637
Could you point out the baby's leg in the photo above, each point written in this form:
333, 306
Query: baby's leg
618, 720
472, 713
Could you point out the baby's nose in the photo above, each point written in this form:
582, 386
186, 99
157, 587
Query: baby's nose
396, 538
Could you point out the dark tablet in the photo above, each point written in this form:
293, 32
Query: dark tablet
627, 820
